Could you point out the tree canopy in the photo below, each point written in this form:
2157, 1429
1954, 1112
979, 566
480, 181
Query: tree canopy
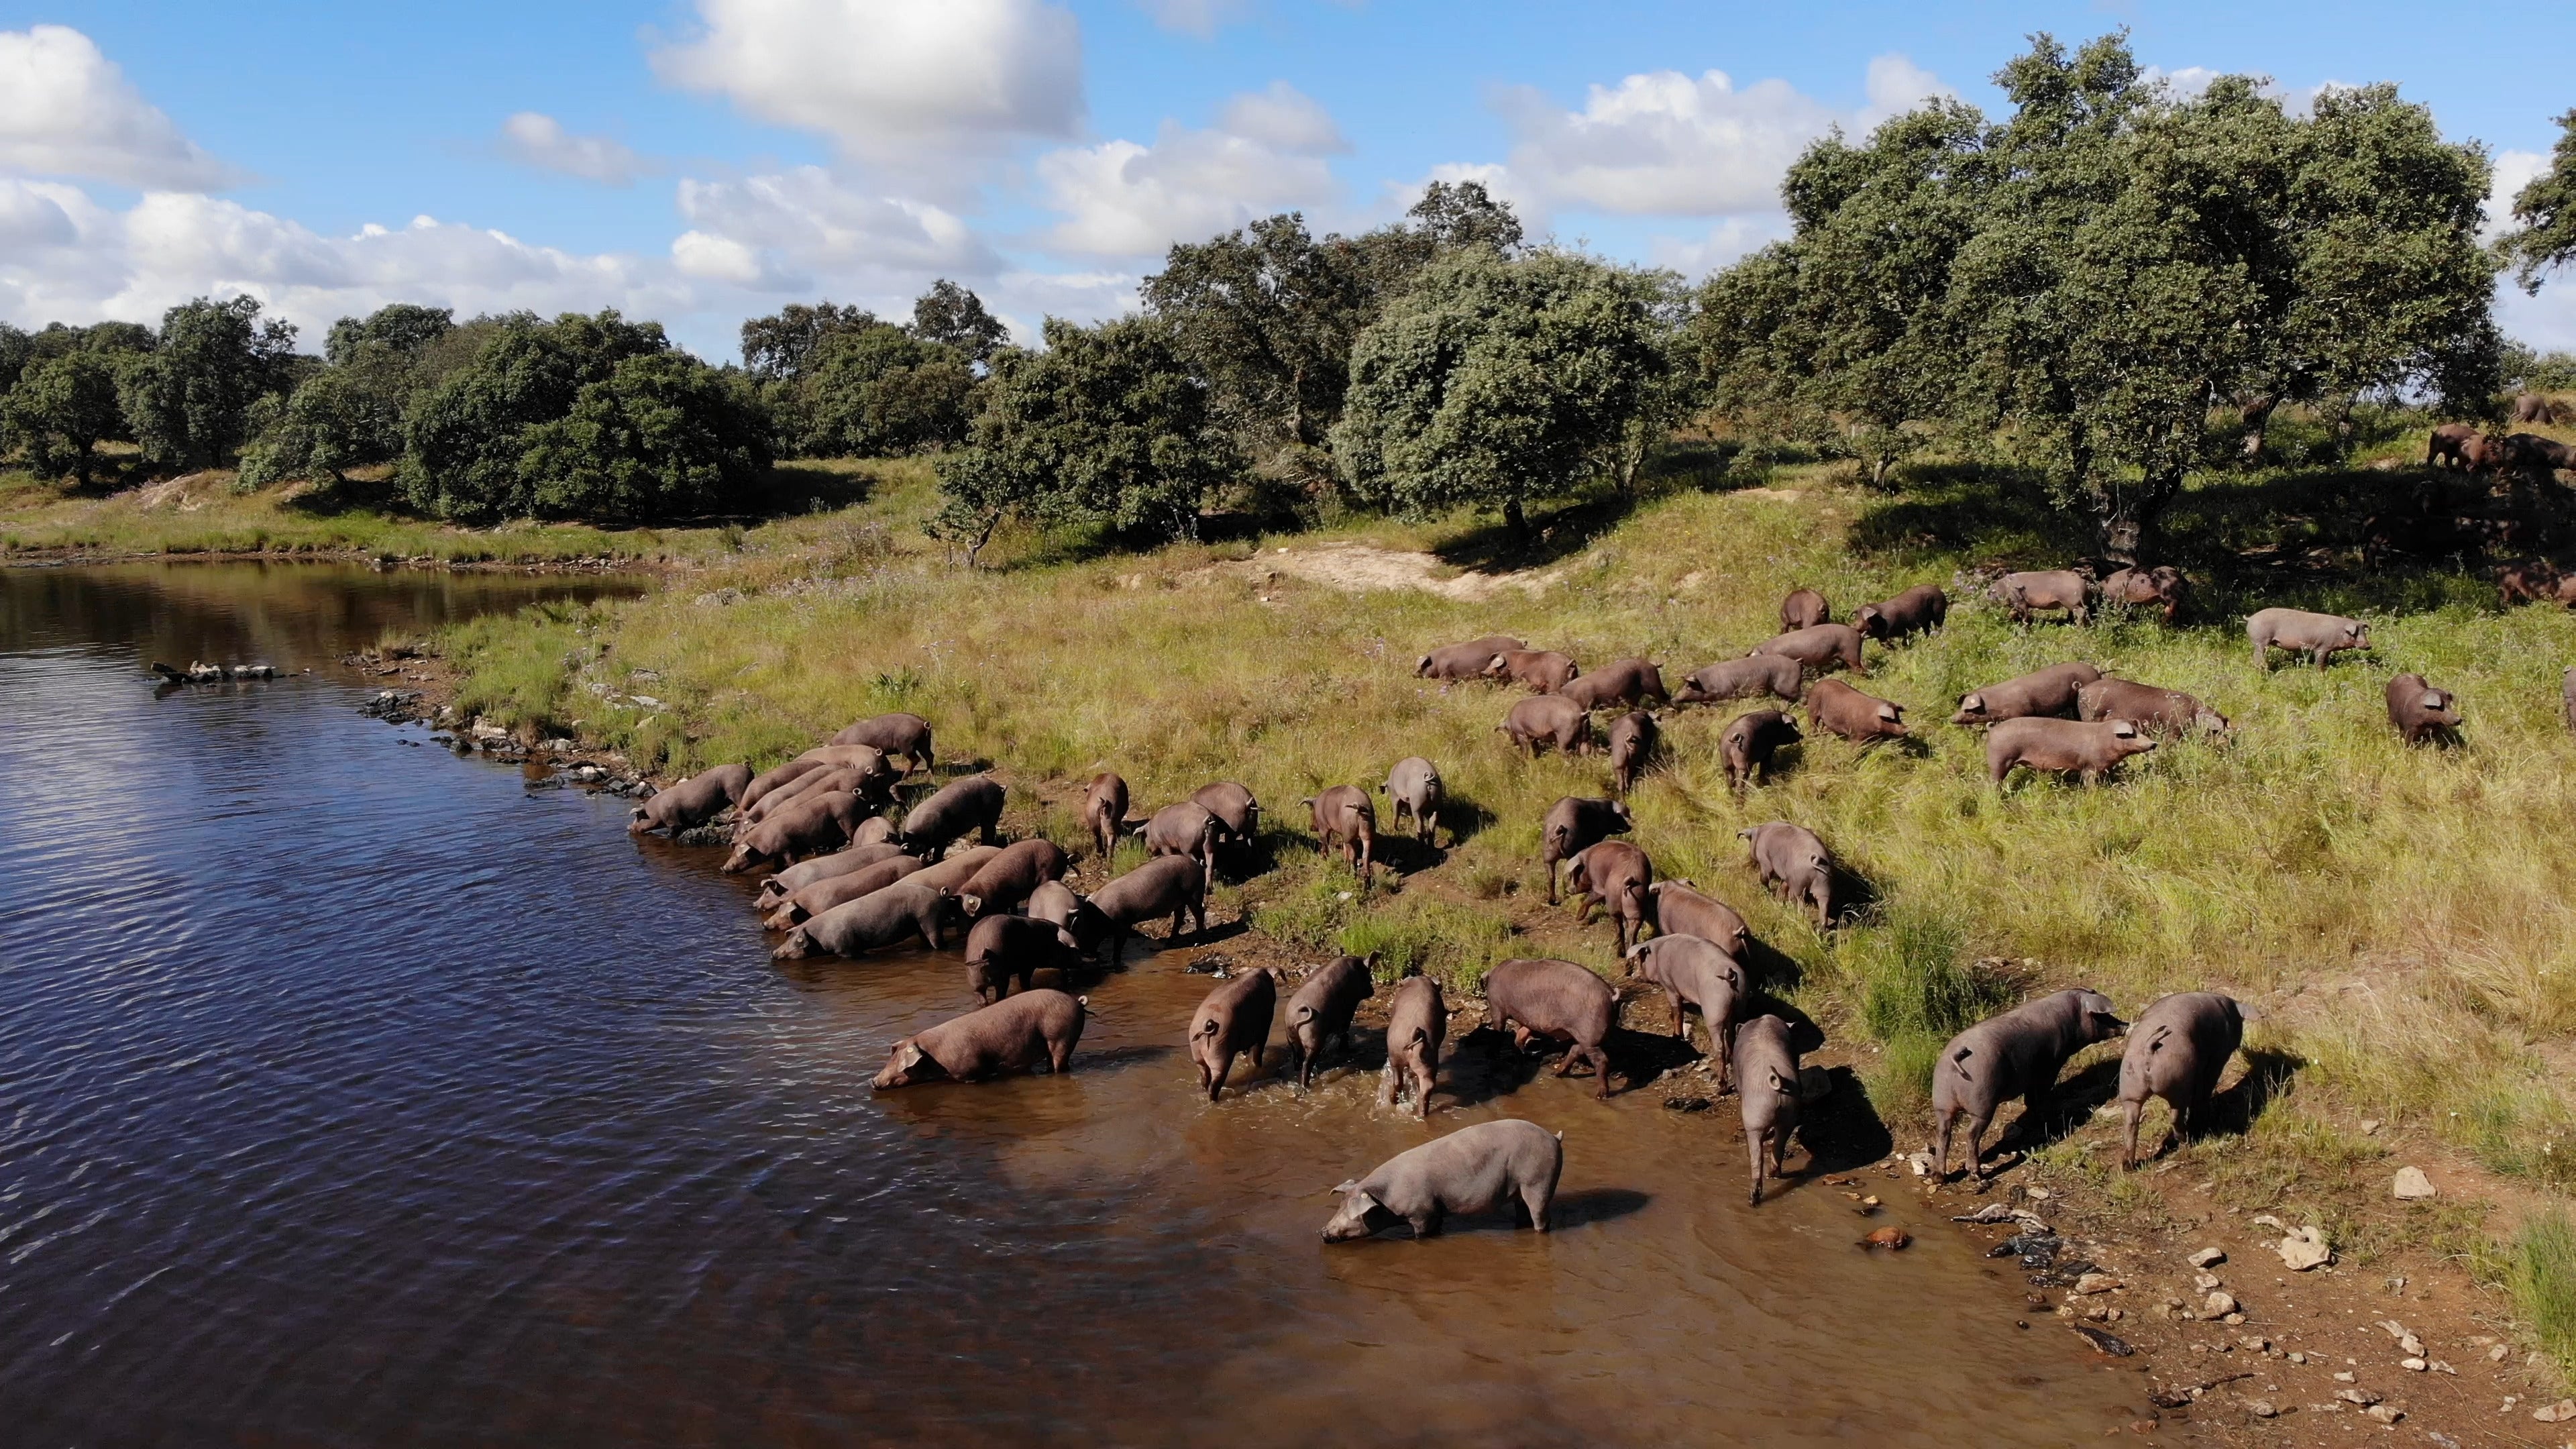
188, 400
2546, 239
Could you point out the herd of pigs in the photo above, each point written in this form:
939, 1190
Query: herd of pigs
850, 877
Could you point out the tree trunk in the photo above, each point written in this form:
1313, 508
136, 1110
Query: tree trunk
1514, 519
2129, 517
1297, 408
2257, 416
982, 537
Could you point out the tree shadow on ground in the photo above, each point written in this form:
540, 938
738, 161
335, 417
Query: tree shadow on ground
1552, 535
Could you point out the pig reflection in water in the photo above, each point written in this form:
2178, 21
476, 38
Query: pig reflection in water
1470, 1170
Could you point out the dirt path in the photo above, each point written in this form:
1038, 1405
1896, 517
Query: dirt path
1359, 567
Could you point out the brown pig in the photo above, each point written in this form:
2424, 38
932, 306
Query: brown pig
2016, 1054
2178, 1049
2453, 443
2296, 629
1803, 609
1012, 1035
2419, 710
1184, 828
1465, 661
1772, 674
2162, 586
899, 736
1632, 741
1613, 875
1627, 682
1681, 909
2049, 691
2062, 746
1819, 647
955, 869
1175, 885
693, 801
1794, 863
819, 782
1321, 1011
1543, 671
794, 878
1235, 1018
960, 808
807, 902
1696, 976
1055, 903
1413, 787
1864, 719
1005, 879
1918, 610
1104, 811
1234, 805
884, 917
1750, 740
1343, 814
1555, 1001
809, 827
2157, 711
1415, 1024
1001, 949
772, 778
2530, 580
2023, 593
1573, 823
1766, 1086
1468, 1171
1551, 719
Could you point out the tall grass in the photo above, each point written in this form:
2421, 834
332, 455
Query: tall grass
2541, 1271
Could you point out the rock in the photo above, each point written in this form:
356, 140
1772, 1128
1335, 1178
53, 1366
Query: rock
2266, 1220
2343, 1376
2412, 1184
1892, 1239
2412, 1365
2096, 1283
1993, 1212
2385, 1413
2369, 1126
2260, 1408
2205, 1282
2207, 1258
2217, 1305
2364, 1397
2499, 1353
2563, 1411
2104, 1342
2252, 1344
2297, 1357
1921, 1162
2036, 1194
2305, 1248
2233, 1318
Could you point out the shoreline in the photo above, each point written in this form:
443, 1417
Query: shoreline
73, 557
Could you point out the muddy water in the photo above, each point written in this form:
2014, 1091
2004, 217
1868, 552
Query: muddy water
350, 1093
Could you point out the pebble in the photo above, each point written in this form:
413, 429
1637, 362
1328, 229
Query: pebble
2305, 1248
2342, 1376
2561, 1412
2499, 1353
2218, 1305
2363, 1397
2206, 1282
2412, 1184
2412, 1365
2260, 1408
2096, 1283
2369, 1126
2385, 1413
2207, 1258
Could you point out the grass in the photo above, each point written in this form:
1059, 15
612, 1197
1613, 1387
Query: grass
2540, 1269
2404, 914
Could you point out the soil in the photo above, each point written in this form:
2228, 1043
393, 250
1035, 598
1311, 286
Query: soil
1357, 567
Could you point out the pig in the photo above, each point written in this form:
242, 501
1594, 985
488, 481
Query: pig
2452, 443
2420, 711
1413, 787
772, 778
1235, 1018
1794, 864
1819, 647
1415, 1023
1543, 671
1766, 1086
1321, 1011
1002, 948
877, 776
1011, 1035
2063, 746
1615, 876
2016, 1054
2162, 586
1468, 1171
898, 736
1054, 903
2178, 1049
2532, 407
1344, 814
1750, 740
1234, 805
2156, 711
808, 827
2023, 593
1755, 674
794, 878
883, 917
1632, 741
1680, 909
1696, 976
1175, 884
1918, 610
1549, 718
1104, 811
1864, 719
807, 902
689, 802
2527, 451
1465, 661
1004, 880
825, 781
1629, 682
1557, 1001
1186, 828
1573, 823
1803, 609
2567, 697
2296, 629
955, 869
961, 806
2049, 691
2533, 580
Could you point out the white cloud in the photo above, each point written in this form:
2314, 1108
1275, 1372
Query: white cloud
1669, 144
2547, 321
908, 85
1197, 17
1725, 243
536, 139
1499, 183
1122, 199
2514, 170
66, 110
803, 228
1284, 118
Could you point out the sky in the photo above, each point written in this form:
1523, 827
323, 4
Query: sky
702, 161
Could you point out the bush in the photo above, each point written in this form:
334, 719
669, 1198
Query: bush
663, 436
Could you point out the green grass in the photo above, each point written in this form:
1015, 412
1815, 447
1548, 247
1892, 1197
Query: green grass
2540, 1269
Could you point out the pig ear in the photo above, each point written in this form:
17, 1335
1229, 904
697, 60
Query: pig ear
1349, 1184
971, 905
1972, 701
2432, 699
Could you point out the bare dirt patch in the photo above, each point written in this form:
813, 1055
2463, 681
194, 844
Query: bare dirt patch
1359, 567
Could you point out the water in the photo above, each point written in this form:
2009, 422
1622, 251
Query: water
351, 1093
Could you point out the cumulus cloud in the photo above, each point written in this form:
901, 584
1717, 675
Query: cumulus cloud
1124, 199
536, 139
1723, 245
1196, 17
1285, 119
66, 110
909, 86
800, 228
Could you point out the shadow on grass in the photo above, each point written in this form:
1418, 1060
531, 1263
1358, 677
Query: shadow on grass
2063, 1110
2236, 1110
1842, 1131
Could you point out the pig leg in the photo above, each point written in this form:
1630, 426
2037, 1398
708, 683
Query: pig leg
1059, 1056
1217, 1074
1941, 1146
1976, 1164
2130, 1112
1600, 1067
1723, 1049
1422, 1094
1550, 863
1753, 1148
1427, 1224
1681, 1028
1536, 1199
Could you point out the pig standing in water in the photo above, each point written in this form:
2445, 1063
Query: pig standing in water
1011, 1035
2296, 629
1573, 823
1415, 1025
1413, 787
1104, 811
693, 801
1321, 1010
1794, 863
2420, 711
1696, 976
1470, 1170
849, 859
1006, 878
1343, 814
880, 918
2017, 1054
1234, 1018
1558, 1001
1005, 948
833, 892
2178, 1049
1175, 883
1766, 1085
808, 827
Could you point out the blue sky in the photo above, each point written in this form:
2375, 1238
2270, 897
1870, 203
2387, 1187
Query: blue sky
704, 160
